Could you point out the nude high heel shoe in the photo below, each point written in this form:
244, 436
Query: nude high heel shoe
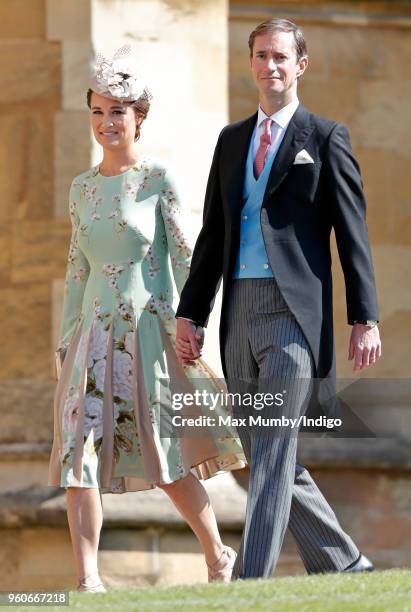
222, 569
86, 585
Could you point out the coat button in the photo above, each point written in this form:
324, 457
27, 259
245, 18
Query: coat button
245, 217
242, 266
266, 266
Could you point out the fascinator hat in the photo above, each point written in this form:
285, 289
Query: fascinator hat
118, 79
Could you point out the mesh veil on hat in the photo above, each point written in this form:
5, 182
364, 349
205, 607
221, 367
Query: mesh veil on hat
117, 78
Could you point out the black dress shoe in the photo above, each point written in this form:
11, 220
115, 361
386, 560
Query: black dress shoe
362, 564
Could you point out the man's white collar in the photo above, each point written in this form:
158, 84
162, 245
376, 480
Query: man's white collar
281, 117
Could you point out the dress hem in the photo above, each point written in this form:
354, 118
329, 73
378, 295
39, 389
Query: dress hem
203, 471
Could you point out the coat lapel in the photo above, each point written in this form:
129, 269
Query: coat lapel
296, 135
236, 164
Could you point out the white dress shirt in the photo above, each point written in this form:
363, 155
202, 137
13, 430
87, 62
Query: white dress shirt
281, 119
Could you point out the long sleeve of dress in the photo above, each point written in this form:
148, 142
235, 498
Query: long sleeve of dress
78, 270
177, 243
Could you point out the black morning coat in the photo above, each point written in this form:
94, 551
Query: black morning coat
302, 204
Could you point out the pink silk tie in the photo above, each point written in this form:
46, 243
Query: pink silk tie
265, 141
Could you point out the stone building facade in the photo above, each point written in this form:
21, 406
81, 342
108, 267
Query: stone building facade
195, 57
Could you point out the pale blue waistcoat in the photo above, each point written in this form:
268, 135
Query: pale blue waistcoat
252, 260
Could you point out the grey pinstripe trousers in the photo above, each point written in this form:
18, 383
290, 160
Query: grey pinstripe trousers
264, 343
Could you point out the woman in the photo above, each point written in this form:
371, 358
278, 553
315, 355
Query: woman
118, 337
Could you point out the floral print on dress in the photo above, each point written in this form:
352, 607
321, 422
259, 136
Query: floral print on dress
154, 262
124, 426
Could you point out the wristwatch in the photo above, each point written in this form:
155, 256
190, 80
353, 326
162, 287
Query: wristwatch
369, 322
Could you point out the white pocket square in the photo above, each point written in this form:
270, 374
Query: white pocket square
303, 157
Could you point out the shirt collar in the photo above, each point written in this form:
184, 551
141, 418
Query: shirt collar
281, 117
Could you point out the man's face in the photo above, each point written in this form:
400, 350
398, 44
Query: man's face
274, 64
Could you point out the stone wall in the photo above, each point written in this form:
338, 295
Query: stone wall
45, 140
358, 51
31, 237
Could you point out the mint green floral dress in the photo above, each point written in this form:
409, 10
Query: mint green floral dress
118, 333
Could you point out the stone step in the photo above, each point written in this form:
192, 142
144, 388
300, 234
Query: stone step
145, 541
26, 464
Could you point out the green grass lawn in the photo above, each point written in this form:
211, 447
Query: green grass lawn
389, 590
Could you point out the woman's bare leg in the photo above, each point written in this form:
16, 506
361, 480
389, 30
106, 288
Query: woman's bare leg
85, 518
192, 501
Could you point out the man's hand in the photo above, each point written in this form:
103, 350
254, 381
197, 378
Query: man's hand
189, 341
365, 346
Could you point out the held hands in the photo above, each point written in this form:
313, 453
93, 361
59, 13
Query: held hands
189, 341
365, 346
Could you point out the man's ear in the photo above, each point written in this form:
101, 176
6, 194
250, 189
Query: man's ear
302, 65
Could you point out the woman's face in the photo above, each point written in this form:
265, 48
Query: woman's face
114, 124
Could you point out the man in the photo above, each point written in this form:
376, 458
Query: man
279, 182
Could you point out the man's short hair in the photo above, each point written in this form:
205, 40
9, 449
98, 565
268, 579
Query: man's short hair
283, 25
